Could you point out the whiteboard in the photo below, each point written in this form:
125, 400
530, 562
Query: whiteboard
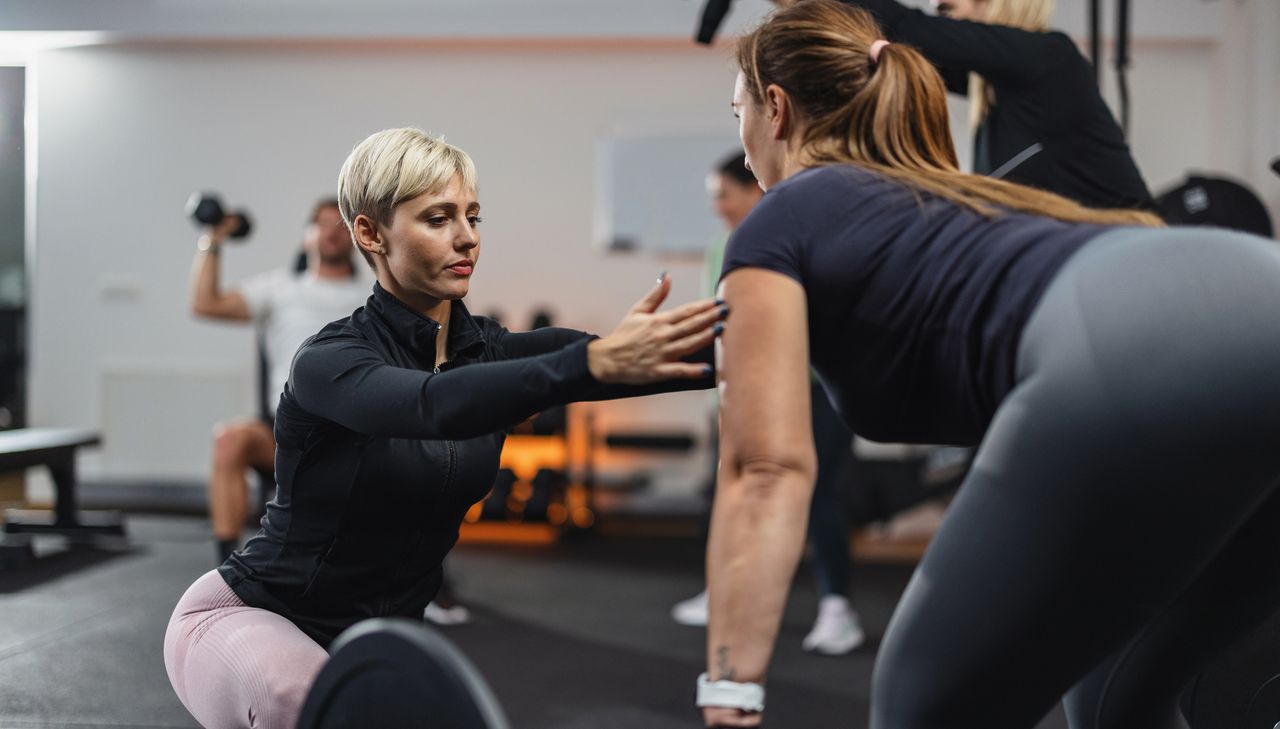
651, 191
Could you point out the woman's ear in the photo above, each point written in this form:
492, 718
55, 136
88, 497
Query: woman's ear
367, 236
778, 111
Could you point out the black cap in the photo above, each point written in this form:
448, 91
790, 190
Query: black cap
1215, 201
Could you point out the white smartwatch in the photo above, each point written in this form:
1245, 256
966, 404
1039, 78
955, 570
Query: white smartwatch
730, 694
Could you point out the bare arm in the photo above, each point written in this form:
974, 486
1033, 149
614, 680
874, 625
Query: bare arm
766, 477
207, 298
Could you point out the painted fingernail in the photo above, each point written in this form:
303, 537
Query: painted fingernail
718, 329
662, 276
719, 302
707, 370
724, 311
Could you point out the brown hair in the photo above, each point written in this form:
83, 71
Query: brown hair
888, 116
321, 205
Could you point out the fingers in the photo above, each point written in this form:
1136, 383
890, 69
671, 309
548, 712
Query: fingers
737, 721
684, 311
680, 371
700, 321
692, 343
719, 717
652, 300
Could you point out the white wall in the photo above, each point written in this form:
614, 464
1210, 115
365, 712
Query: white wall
346, 19
125, 132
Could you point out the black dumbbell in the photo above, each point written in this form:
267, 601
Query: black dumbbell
206, 209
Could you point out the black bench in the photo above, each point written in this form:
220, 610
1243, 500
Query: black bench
54, 448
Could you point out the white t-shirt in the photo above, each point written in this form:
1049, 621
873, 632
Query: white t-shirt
289, 307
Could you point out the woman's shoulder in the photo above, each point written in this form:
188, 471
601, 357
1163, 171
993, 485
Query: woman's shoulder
1059, 53
818, 190
336, 333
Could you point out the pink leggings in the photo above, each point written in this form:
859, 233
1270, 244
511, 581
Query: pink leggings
237, 667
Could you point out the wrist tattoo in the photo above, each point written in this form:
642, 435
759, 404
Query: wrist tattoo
723, 670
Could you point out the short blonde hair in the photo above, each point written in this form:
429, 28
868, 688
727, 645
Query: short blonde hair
395, 165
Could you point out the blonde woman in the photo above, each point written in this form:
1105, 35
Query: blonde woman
1037, 115
389, 429
1121, 381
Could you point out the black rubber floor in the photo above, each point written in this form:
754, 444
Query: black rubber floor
576, 636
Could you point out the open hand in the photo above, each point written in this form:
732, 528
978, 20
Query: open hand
647, 346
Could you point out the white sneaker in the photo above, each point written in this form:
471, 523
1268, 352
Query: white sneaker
837, 630
440, 615
692, 611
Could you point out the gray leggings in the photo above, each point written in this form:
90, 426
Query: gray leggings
1121, 524
234, 666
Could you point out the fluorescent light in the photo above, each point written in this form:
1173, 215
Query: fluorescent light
19, 46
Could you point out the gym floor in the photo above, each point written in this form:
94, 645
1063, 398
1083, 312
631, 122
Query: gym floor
572, 636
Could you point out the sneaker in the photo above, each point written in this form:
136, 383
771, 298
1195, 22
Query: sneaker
837, 630
453, 614
692, 611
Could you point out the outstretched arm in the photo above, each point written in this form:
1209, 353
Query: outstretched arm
685, 326
767, 467
346, 380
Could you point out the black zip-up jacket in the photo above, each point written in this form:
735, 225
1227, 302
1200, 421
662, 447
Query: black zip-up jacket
378, 457
1049, 127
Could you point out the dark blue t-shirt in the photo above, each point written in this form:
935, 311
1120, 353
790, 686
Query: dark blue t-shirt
915, 304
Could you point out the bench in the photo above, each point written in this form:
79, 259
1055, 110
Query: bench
54, 448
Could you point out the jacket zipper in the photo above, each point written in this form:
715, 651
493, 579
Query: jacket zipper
453, 454
385, 606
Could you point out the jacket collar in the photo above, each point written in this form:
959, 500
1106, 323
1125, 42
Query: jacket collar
417, 332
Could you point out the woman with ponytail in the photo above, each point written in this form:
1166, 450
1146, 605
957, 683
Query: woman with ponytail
1121, 381
1037, 115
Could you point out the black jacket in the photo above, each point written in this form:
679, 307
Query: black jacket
378, 457
1049, 127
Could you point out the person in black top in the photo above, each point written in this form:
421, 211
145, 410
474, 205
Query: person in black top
389, 428
1121, 381
1037, 113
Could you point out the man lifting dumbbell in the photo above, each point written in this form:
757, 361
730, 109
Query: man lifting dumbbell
285, 307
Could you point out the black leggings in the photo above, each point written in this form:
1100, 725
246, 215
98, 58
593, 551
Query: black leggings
828, 511
1121, 521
